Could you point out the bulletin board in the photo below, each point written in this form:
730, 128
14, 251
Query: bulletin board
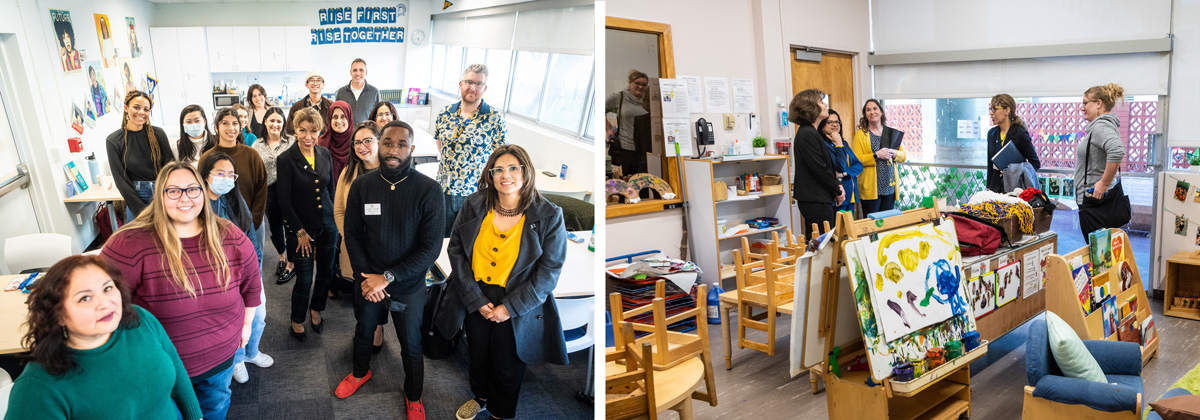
1168, 240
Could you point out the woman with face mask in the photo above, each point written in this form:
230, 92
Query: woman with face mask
194, 137
227, 203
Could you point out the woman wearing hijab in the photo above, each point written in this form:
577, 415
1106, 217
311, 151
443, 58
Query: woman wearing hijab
339, 138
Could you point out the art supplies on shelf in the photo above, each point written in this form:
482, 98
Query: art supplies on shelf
1100, 247
1083, 286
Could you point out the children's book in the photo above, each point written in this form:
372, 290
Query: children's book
1118, 246
1100, 246
1083, 286
1128, 330
1110, 316
1148, 332
73, 174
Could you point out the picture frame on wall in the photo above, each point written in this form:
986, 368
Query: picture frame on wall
64, 35
135, 49
108, 54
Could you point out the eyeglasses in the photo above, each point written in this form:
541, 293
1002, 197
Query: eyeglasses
834, 122
1086, 101
365, 142
384, 114
642, 84
473, 83
515, 170
232, 177
995, 109
175, 193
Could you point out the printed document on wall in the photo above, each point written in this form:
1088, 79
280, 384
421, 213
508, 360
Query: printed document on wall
674, 98
743, 96
716, 91
677, 130
695, 92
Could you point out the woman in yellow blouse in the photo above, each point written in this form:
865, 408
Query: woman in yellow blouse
506, 252
878, 181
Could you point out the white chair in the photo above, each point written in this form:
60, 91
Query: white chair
6, 384
37, 250
574, 314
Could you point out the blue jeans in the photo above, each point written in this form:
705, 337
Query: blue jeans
256, 331
213, 394
454, 203
145, 191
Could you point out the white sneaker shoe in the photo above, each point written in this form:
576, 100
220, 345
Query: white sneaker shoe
262, 360
239, 373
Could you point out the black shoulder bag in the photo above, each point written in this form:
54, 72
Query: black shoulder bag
1111, 211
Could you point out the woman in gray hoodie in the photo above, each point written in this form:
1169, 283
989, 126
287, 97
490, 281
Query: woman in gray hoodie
1098, 160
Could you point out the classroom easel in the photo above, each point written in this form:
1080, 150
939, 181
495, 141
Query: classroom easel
941, 393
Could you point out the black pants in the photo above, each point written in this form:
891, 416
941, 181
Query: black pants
817, 213
275, 220
496, 370
324, 243
408, 333
883, 203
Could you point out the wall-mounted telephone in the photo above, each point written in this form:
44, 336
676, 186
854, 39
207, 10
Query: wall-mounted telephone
704, 133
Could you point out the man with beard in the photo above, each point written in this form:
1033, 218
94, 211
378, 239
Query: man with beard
393, 234
466, 132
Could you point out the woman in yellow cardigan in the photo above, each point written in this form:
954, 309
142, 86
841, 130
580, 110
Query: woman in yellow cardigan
877, 183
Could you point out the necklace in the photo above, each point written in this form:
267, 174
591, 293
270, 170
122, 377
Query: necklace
506, 212
390, 182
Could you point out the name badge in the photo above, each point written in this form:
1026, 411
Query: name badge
372, 209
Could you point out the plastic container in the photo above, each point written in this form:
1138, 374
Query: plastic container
714, 304
954, 350
918, 368
94, 168
721, 226
937, 357
903, 372
970, 340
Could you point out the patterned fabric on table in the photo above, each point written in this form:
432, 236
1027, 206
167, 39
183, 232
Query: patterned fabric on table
994, 210
885, 177
269, 155
466, 146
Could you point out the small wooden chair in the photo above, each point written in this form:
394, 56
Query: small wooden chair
771, 290
671, 348
630, 394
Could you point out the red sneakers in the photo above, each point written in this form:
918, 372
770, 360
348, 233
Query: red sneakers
350, 384
414, 410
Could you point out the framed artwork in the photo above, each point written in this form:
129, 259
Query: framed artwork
64, 34
108, 54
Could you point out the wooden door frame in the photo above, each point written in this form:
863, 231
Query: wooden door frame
666, 69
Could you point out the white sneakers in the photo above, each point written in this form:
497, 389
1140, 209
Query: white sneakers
240, 375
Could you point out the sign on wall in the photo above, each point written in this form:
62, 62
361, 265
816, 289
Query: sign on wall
357, 34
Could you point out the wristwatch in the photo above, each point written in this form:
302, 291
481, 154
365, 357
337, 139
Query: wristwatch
390, 278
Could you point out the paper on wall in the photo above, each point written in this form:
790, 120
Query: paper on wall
674, 98
716, 93
1032, 278
743, 96
968, 129
695, 92
1044, 260
677, 130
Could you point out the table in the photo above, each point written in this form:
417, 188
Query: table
13, 313
555, 185
426, 144
672, 387
577, 278
429, 169
96, 192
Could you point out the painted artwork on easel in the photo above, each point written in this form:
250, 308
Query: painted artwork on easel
1008, 283
916, 275
913, 346
983, 299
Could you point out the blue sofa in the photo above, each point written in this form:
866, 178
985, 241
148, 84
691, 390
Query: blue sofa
1052, 395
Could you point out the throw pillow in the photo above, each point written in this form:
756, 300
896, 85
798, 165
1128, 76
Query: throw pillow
1183, 407
1069, 352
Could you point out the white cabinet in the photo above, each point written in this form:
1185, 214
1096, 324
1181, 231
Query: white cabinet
182, 67
418, 116
246, 53
220, 48
273, 48
297, 42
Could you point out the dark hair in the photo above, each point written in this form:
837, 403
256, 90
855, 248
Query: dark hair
390, 107
805, 108
355, 164
250, 96
45, 337
528, 173
1005, 100
308, 115
229, 112
185, 146
64, 27
154, 147
271, 111
240, 217
401, 124
825, 122
863, 124
358, 60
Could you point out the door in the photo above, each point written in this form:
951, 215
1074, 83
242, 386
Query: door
273, 44
835, 76
16, 207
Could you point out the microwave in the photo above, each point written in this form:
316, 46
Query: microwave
222, 100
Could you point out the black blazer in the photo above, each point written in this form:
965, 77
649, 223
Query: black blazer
529, 294
1020, 138
815, 180
305, 195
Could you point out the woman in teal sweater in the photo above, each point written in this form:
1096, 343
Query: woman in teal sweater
85, 339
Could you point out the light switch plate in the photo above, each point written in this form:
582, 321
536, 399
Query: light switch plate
729, 121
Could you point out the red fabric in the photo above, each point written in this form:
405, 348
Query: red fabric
975, 237
339, 144
1029, 193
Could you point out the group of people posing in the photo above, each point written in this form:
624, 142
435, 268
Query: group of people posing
174, 305
833, 174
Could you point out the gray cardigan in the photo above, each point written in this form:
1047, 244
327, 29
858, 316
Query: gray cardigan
530, 288
361, 107
1103, 135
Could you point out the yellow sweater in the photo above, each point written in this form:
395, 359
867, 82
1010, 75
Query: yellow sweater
867, 190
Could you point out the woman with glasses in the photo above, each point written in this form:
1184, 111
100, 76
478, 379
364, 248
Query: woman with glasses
305, 184
1098, 192
816, 183
136, 152
506, 252
364, 159
197, 273
1009, 128
225, 200
383, 113
269, 147
627, 105
846, 166
873, 147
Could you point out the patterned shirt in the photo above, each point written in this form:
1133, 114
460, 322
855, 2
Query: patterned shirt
884, 178
269, 155
466, 146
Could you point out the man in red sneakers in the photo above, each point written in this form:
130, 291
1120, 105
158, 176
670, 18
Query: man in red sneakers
394, 222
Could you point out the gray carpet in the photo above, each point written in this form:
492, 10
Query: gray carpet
300, 385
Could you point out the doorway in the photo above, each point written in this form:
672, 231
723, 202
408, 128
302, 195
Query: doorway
834, 75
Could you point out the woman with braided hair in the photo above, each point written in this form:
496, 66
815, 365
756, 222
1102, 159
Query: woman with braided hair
136, 152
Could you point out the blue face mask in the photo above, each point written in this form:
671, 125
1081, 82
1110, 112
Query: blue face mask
221, 185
